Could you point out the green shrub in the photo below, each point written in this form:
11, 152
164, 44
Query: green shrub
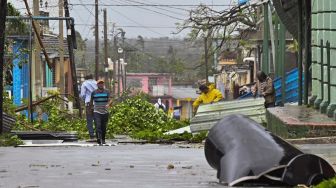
9, 140
331, 183
137, 117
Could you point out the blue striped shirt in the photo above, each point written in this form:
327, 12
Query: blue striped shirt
100, 101
87, 88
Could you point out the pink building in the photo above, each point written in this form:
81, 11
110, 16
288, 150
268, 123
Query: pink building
158, 85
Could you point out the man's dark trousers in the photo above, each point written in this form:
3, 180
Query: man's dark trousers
100, 123
89, 119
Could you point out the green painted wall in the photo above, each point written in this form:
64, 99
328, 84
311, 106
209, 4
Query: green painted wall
324, 28
332, 106
49, 76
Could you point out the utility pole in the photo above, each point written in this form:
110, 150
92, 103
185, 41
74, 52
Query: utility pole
3, 7
123, 72
115, 55
118, 72
105, 50
61, 84
37, 66
71, 39
300, 51
96, 40
206, 57
265, 58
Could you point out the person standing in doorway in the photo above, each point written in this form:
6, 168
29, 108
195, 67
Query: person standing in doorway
88, 86
100, 99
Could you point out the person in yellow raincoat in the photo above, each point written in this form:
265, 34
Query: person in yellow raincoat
209, 95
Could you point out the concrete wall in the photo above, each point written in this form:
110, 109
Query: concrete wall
323, 31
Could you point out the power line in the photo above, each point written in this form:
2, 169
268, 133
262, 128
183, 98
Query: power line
159, 13
136, 22
177, 8
152, 5
167, 10
87, 22
131, 26
89, 10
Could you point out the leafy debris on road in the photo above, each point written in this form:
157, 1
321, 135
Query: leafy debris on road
170, 166
137, 117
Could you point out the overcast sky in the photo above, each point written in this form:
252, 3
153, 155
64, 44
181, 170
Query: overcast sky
147, 21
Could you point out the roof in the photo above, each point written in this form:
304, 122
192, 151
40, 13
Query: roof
148, 74
209, 114
184, 93
51, 44
287, 11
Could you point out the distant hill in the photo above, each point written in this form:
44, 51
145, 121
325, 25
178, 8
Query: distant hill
157, 53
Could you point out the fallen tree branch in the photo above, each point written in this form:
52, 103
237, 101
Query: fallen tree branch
38, 36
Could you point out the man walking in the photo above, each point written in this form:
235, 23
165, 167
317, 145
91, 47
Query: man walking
88, 86
101, 103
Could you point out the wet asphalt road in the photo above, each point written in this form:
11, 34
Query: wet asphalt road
121, 166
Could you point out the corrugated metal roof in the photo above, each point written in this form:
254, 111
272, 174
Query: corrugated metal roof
148, 74
209, 114
51, 45
287, 11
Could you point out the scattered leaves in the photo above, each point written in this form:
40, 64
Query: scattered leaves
170, 166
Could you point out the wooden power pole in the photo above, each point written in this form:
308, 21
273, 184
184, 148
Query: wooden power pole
71, 39
3, 7
37, 66
206, 57
97, 41
61, 84
105, 50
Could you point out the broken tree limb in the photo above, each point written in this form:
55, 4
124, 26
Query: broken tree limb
21, 108
38, 36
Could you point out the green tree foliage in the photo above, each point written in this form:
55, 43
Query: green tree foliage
58, 120
139, 61
133, 116
17, 26
8, 106
9, 140
13, 27
80, 53
136, 117
327, 184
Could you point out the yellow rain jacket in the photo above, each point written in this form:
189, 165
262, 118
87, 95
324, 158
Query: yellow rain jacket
213, 95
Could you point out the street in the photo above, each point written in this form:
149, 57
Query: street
110, 166
141, 166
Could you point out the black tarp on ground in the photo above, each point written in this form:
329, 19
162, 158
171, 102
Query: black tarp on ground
46, 135
244, 152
